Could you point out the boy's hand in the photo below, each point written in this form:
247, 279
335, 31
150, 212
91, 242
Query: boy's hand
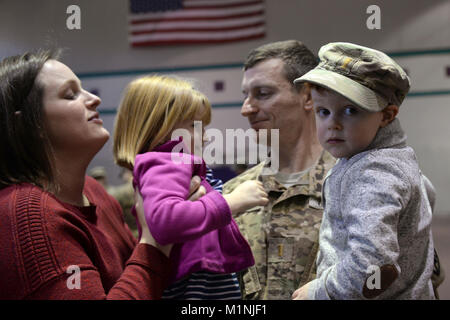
247, 195
301, 293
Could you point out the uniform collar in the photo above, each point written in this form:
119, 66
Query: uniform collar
310, 184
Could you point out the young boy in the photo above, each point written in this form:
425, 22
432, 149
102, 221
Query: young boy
375, 238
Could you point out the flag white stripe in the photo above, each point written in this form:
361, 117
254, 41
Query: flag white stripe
196, 24
213, 35
202, 13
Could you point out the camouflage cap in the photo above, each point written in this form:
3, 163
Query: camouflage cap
367, 77
97, 172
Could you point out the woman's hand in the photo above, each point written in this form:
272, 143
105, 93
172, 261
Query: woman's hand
146, 236
195, 192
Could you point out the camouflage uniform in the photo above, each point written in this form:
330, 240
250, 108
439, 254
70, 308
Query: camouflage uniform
284, 234
125, 195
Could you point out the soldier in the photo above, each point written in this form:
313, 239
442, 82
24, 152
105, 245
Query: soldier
284, 234
124, 193
99, 174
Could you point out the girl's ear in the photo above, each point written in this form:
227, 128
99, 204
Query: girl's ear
306, 97
389, 114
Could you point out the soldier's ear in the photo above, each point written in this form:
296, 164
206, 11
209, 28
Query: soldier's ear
306, 97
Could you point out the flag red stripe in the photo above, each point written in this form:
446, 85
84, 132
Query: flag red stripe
200, 30
222, 6
184, 41
200, 18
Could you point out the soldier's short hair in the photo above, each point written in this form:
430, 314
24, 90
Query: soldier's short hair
297, 58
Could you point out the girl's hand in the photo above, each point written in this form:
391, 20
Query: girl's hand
247, 195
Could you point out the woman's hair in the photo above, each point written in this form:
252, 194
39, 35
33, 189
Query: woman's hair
25, 151
151, 108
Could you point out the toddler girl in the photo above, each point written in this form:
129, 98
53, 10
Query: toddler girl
208, 246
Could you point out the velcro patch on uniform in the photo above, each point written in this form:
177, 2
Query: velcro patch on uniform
314, 203
251, 281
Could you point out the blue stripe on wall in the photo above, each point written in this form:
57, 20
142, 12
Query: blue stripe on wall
107, 74
396, 54
217, 105
428, 93
238, 65
239, 104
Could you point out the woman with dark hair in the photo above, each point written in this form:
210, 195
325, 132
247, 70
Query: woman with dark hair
62, 235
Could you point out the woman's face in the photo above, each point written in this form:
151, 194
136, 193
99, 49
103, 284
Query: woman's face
73, 124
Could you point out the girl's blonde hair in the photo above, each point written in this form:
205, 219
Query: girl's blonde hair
149, 111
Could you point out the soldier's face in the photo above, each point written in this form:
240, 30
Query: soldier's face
270, 100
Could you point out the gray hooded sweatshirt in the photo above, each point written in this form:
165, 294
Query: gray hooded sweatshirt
377, 214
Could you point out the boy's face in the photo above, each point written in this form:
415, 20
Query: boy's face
343, 128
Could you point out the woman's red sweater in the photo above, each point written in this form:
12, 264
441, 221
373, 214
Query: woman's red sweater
53, 250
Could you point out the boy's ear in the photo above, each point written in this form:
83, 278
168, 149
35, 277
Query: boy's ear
389, 114
306, 97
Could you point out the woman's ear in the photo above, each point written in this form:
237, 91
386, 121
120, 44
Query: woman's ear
306, 97
389, 114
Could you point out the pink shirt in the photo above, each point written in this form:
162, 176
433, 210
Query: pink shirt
205, 235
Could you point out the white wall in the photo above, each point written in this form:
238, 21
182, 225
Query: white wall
101, 46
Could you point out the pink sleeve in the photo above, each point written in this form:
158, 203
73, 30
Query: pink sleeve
164, 186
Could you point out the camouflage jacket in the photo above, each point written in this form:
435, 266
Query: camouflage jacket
284, 234
124, 193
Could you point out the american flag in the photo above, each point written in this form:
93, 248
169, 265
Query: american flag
160, 22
